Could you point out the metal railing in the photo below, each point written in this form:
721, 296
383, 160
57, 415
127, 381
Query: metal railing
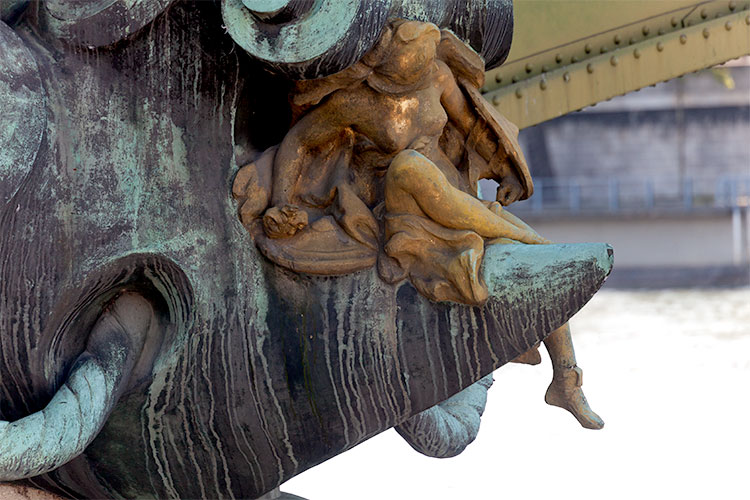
602, 195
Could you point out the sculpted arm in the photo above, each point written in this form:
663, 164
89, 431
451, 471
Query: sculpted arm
462, 115
454, 102
486, 143
306, 139
314, 137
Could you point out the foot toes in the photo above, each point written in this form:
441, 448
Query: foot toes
589, 420
570, 397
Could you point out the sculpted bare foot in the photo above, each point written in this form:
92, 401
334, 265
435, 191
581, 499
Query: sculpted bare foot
523, 232
565, 391
284, 222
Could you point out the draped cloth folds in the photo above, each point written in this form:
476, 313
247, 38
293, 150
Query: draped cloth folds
442, 263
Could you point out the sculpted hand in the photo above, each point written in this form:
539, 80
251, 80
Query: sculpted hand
525, 234
509, 190
494, 207
284, 222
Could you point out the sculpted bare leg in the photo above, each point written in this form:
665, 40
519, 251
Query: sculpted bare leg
416, 186
565, 390
567, 378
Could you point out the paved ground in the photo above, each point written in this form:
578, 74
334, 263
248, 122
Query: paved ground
669, 371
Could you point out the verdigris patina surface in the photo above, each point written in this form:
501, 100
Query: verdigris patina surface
148, 349
382, 164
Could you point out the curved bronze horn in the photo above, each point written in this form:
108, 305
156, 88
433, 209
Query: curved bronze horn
446, 429
314, 38
49, 438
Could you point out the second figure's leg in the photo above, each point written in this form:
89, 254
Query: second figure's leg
565, 390
415, 185
567, 378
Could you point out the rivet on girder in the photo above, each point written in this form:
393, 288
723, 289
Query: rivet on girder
661, 31
631, 41
704, 13
545, 68
747, 20
674, 22
614, 60
617, 39
732, 5
590, 68
498, 78
683, 39
514, 79
659, 46
566, 76
645, 31
574, 59
706, 33
637, 53
558, 58
519, 93
603, 50
728, 25
543, 84
587, 48
496, 100
529, 67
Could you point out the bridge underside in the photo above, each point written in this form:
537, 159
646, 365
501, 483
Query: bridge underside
567, 55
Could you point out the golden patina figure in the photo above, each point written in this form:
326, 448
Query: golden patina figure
381, 166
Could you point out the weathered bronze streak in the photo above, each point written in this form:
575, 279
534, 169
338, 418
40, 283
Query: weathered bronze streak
382, 164
215, 372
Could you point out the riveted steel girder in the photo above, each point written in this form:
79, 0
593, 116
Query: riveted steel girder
598, 49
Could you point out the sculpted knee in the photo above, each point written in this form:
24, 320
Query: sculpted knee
407, 168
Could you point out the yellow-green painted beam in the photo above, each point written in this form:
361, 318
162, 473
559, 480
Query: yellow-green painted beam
599, 49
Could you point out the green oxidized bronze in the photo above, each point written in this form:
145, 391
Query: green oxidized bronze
150, 346
405, 135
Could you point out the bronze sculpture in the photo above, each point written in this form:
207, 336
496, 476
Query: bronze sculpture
404, 134
232, 374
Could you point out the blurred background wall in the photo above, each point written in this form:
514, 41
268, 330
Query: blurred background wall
663, 174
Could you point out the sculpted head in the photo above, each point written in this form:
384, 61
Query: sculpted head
412, 53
